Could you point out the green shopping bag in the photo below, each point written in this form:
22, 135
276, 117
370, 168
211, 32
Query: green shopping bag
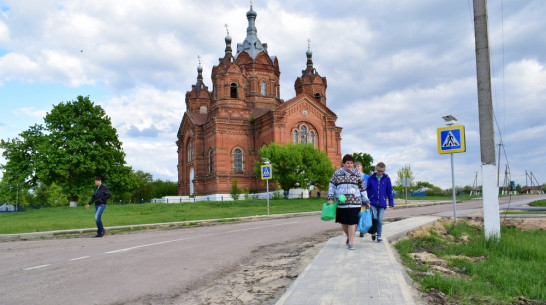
328, 211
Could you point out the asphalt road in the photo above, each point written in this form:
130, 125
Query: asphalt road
117, 268
122, 267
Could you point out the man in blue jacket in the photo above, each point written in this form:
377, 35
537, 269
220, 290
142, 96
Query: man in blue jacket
101, 194
379, 190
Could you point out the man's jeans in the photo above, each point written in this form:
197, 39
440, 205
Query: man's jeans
378, 214
98, 213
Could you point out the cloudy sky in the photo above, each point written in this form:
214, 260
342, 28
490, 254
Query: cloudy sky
394, 68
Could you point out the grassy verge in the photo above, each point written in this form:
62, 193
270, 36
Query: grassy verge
475, 270
524, 212
64, 218
538, 203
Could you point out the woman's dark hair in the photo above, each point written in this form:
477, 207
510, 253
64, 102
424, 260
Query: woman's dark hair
347, 157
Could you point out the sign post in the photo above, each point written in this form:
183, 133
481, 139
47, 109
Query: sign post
451, 140
267, 174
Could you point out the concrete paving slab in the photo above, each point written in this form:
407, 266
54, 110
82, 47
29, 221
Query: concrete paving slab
369, 275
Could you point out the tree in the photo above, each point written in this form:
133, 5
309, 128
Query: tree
404, 172
294, 164
429, 188
367, 162
49, 195
144, 187
235, 191
77, 143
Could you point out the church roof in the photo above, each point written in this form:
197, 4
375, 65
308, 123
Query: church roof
258, 112
252, 44
197, 118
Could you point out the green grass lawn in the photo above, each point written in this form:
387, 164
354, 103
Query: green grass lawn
538, 203
64, 218
523, 212
484, 271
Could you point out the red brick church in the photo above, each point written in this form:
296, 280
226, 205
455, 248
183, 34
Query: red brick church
223, 129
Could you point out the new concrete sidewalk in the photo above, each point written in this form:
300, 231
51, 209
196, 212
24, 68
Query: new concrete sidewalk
369, 275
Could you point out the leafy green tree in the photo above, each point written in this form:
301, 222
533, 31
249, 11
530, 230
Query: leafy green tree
14, 194
297, 164
235, 191
77, 143
4, 192
162, 188
148, 188
20, 155
367, 162
49, 195
144, 186
429, 188
404, 172
423, 185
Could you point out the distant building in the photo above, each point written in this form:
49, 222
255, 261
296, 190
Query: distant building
223, 129
6, 207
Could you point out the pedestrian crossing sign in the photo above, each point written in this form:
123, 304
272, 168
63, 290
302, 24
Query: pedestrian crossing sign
451, 139
266, 172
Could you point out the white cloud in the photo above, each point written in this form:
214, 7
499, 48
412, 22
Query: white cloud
394, 68
148, 108
4, 33
30, 111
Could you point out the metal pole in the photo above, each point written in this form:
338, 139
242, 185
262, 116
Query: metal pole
267, 188
453, 190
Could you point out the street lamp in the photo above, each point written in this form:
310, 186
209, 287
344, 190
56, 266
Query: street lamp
450, 121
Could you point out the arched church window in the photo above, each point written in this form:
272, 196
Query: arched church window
215, 92
303, 130
312, 137
318, 96
203, 109
295, 138
263, 86
210, 162
233, 91
190, 151
237, 161
246, 88
277, 93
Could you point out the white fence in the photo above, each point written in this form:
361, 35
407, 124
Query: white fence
294, 193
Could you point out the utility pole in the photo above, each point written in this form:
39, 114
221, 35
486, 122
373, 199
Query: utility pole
491, 218
475, 185
498, 165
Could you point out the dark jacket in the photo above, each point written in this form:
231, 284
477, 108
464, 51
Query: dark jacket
379, 191
102, 193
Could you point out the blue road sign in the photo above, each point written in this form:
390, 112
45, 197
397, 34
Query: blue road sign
451, 139
267, 172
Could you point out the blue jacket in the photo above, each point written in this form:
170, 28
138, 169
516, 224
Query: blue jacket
380, 190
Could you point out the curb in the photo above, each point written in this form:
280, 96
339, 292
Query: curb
188, 223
